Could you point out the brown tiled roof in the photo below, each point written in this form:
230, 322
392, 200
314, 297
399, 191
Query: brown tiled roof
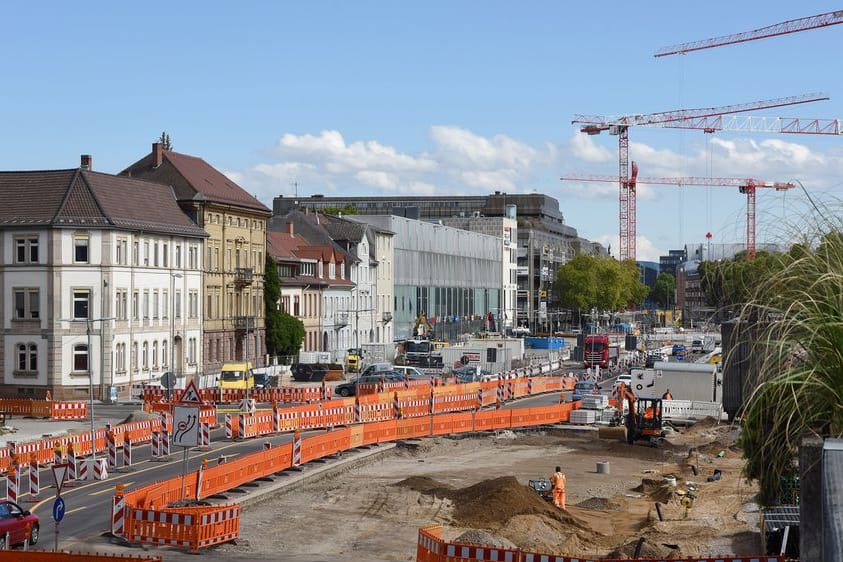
81, 198
201, 177
282, 245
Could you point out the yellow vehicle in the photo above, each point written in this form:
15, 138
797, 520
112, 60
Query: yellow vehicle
353, 360
237, 375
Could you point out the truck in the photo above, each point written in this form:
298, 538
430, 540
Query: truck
687, 381
423, 353
237, 374
598, 350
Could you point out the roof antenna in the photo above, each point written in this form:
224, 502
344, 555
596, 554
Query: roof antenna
295, 185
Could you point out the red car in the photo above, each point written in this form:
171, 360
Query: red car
13, 521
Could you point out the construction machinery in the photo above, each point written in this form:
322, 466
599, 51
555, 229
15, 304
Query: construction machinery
643, 419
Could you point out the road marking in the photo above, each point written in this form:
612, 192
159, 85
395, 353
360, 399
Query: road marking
74, 510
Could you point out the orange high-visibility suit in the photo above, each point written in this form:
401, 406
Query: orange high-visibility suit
558, 482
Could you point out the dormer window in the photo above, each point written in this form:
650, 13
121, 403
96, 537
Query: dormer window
321, 270
342, 270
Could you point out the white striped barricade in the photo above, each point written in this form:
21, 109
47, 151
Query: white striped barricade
58, 456
13, 480
205, 436
111, 439
165, 444
34, 478
241, 427
156, 445
500, 397
479, 405
82, 470
358, 414
276, 418
297, 448
118, 512
510, 394
229, 427
127, 452
72, 468
100, 469
323, 395
396, 406
530, 386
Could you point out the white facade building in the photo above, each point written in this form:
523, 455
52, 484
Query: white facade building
101, 281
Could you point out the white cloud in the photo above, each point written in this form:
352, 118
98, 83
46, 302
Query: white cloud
583, 147
645, 250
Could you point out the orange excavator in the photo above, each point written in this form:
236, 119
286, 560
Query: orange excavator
644, 416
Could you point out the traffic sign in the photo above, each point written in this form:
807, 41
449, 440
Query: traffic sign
186, 426
58, 509
59, 474
190, 394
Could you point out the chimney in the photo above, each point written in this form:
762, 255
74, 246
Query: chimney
86, 162
291, 229
157, 154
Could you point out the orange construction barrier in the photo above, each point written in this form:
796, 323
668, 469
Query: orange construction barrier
51, 556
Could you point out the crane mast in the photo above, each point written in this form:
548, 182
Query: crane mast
783, 28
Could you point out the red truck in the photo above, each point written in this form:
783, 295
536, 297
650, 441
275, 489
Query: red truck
598, 350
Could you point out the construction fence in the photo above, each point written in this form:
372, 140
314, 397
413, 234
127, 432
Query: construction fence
62, 556
44, 409
431, 548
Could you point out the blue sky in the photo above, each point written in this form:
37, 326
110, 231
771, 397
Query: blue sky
457, 97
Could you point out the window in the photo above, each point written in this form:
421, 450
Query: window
166, 302
81, 300
80, 249
146, 253
178, 256
27, 357
135, 356
135, 253
208, 309
164, 353
26, 250
166, 255
193, 304
155, 304
177, 305
120, 358
145, 356
146, 305
155, 355
135, 306
80, 357
191, 351
193, 257
120, 251
155, 253
27, 303
120, 302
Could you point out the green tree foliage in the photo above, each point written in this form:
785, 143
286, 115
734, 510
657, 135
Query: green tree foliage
336, 211
284, 333
664, 290
793, 323
729, 284
599, 282
164, 139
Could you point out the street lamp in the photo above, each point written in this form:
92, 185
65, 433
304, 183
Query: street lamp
173, 277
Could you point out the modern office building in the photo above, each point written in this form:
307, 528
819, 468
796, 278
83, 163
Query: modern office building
101, 280
452, 276
544, 240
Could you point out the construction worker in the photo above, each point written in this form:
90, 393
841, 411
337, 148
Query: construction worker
667, 395
558, 482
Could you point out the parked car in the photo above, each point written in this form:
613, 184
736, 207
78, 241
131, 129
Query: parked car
625, 378
13, 523
308, 372
470, 373
678, 349
350, 388
697, 346
261, 380
584, 388
652, 358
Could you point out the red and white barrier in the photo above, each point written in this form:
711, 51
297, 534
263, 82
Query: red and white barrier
297, 448
13, 483
118, 513
34, 479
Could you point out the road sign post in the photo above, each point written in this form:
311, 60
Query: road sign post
186, 425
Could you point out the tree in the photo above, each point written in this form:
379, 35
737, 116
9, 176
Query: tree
164, 139
601, 282
664, 290
284, 333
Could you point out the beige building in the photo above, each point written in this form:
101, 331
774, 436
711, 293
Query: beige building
235, 250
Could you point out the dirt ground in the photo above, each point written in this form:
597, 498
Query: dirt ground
476, 488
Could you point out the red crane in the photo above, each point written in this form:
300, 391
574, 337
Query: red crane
783, 28
744, 185
595, 124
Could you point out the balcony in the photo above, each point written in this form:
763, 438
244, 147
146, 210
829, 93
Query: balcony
242, 276
241, 323
387, 317
341, 320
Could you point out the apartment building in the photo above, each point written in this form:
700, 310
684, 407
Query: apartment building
234, 256
101, 281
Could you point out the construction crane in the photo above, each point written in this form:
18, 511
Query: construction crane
595, 124
783, 28
744, 185
756, 124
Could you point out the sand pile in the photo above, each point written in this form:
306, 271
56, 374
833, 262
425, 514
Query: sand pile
657, 489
